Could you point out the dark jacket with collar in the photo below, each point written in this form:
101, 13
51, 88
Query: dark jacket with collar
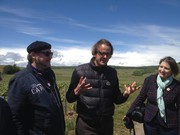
6, 124
36, 105
98, 101
171, 97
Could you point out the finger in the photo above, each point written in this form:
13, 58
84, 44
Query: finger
84, 80
81, 79
133, 84
88, 86
139, 87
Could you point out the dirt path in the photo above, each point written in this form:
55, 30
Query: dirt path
139, 128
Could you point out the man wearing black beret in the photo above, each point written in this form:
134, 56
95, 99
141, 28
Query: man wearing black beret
33, 95
38, 46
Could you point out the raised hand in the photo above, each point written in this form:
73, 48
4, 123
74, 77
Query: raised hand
129, 89
82, 86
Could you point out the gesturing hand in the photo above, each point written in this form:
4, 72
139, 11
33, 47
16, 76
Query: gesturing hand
129, 89
82, 86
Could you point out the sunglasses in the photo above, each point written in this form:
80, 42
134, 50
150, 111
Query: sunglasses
47, 53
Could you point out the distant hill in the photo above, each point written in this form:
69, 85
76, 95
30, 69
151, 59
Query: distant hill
116, 67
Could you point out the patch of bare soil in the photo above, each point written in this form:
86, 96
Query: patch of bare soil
139, 128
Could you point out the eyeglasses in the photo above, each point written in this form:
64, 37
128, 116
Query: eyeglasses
104, 53
47, 53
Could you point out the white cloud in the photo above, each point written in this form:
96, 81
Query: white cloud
12, 56
143, 56
72, 56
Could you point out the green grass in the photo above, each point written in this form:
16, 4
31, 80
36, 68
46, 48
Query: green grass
63, 75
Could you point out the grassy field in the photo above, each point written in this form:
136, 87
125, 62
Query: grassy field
63, 75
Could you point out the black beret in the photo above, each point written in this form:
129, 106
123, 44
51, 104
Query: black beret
38, 46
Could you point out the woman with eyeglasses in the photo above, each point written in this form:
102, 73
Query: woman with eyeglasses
34, 97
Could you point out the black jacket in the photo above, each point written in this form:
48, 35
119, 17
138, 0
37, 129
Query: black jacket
99, 101
6, 124
36, 105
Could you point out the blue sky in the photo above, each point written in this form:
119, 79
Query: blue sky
141, 31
